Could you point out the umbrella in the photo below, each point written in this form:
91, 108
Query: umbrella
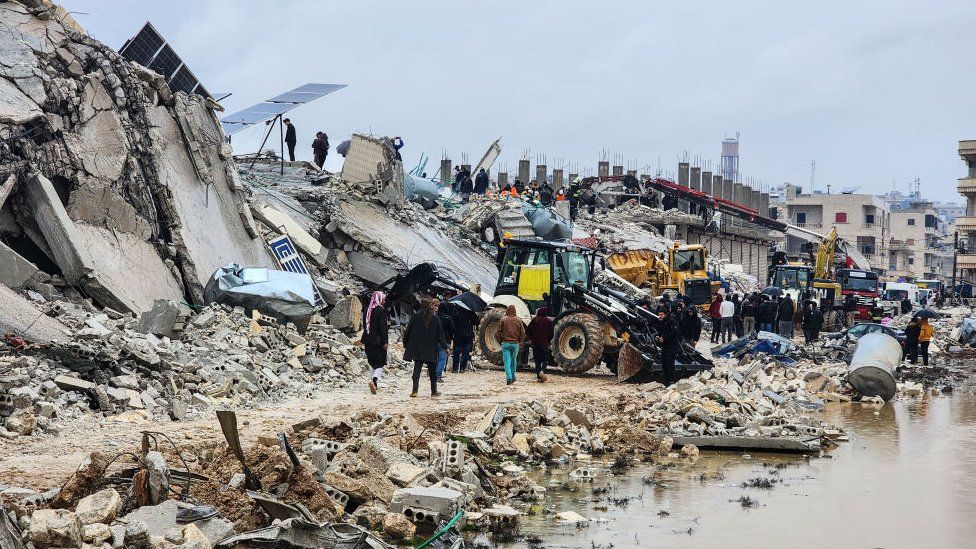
926, 313
774, 291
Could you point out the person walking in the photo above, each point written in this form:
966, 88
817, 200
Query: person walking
320, 149
737, 324
715, 314
813, 320
924, 338
727, 310
443, 310
912, 333
291, 138
690, 325
422, 340
376, 337
540, 332
464, 322
510, 334
481, 182
667, 339
785, 312
749, 310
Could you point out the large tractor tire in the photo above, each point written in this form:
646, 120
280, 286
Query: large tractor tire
489, 346
577, 343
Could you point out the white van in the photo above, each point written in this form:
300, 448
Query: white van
894, 292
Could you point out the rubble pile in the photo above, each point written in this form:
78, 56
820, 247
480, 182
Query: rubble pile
631, 226
219, 356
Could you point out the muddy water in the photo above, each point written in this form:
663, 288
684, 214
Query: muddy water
907, 478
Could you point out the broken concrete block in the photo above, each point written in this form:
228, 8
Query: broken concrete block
55, 528
22, 422
347, 314
167, 318
521, 443
101, 507
158, 477
398, 526
96, 534
281, 222
69, 383
430, 503
405, 474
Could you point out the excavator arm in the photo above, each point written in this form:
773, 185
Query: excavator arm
825, 255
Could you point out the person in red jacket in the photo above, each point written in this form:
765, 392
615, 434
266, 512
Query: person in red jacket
715, 313
540, 333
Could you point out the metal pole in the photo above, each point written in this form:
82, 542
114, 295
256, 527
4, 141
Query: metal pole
955, 254
281, 132
266, 136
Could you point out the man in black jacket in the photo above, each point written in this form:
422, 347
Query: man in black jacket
320, 148
464, 323
465, 186
750, 307
813, 320
481, 182
667, 340
691, 325
447, 326
785, 312
290, 138
767, 315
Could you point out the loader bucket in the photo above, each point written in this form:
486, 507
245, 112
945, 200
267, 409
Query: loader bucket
634, 367
633, 265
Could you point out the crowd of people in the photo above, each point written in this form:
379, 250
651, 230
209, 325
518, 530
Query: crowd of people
735, 316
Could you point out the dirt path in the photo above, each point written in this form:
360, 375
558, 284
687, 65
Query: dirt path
44, 461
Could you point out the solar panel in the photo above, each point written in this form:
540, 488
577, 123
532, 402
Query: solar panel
278, 104
149, 49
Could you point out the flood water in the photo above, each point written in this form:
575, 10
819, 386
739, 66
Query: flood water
907, 478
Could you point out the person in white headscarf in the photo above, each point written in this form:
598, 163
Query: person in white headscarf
376, 336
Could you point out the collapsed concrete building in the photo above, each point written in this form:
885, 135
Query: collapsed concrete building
114, 188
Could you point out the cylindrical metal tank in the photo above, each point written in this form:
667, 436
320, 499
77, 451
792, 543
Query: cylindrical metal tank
872, 369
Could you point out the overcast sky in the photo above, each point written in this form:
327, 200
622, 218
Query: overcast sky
877, 92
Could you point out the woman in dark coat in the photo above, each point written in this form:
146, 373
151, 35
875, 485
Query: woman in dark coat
690, 325
422, 341
376, 337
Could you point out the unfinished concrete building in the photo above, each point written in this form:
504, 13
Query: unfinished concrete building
966, 225
112, 186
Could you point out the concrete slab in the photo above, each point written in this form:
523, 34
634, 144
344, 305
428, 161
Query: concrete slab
21, 317
14, 269
279, 221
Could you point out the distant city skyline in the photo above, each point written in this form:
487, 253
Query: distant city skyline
876, 96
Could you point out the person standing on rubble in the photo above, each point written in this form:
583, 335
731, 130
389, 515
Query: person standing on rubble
376, 337
291, 138
813, 320
422, 341
443, 310
737, 324
540, 333
320, 148
925, 334
749, 310
510, 334
397, 145
727, 310
458, 175
466, 186
766, 314
690, 325
667, 339
785, 312
715, 314
912, 333
481, 182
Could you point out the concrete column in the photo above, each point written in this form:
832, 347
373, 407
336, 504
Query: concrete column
541, 173
695, 179
706, 183
502, 179
754, 200
764, 204
447, 176
683, 174
602, 169
717, 188
523, 172
738, 193
727, 189
557, 179
618, 170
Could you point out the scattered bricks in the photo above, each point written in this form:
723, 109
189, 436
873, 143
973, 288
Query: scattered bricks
582, 474
454, 456
339, 497
502, 515
46, 409
319, 456
22, 422
404, 474
70, 383
398, 526
331, 448
422, 504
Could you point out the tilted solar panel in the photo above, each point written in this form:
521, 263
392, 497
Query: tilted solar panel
149, 49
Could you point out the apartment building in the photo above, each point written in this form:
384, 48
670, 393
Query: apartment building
966, 224
861, 219
920, 246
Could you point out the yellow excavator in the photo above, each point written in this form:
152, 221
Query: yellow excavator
804, 282
681, 268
